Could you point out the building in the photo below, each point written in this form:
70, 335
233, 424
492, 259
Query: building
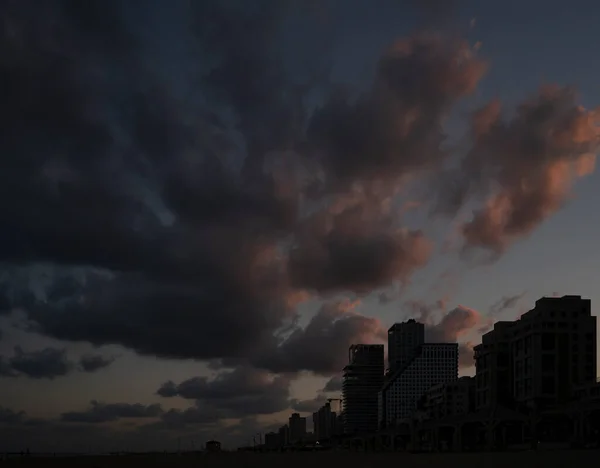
404, 340
493, 369
213, 446
432, 363
362, 380
541, 359
449, 399
324, 422
297, 425
272, 441
284, 435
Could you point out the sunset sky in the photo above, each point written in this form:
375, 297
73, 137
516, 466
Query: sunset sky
204, 203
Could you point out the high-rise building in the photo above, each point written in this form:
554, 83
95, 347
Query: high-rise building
546, 355
297, 425
284, 435
493, 369
324, 422
362, 380
404, 340
432, 363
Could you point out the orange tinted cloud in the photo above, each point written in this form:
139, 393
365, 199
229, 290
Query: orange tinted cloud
525, 167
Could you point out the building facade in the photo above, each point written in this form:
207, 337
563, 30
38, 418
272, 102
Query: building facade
284, 435
432, 364
273, 441
541, 359
297, 425
449, 398
404, 340
493, 368
324, 422
362, 380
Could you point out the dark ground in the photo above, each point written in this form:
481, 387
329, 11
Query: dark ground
529, 459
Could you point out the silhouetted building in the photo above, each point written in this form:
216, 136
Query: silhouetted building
272, 440
297, 425
493, 368
284, 434
431, 364
450, 398
404, 340
362, 380
324, 422
546, 355
213, 446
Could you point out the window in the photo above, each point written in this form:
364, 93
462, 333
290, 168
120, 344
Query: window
548, 342
548, 384
548, 362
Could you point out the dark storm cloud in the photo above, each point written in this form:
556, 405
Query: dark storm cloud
322, 345
242, 391
193, 416
334, 384
101, 412
5, 369
8, 416
309, 406
200, 207
396, 128
47, 363
94, 362
116, 171
357, 249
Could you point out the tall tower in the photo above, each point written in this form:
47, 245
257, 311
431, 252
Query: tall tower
404, 340
363, 378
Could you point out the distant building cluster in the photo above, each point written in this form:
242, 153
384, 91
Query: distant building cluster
537, 364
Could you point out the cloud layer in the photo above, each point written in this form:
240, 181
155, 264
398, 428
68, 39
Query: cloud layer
187, 215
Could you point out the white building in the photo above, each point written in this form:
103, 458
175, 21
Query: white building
433, 363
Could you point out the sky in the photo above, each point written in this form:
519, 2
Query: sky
204, 204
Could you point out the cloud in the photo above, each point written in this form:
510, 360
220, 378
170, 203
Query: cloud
235, 393
334, 384
9, 416
185, 215
322, 345
466, 355
196, 209
505, 303
6, 369
453, 325
102, 412
309, 406
47, 363
523, 168
94, 362
350, 251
